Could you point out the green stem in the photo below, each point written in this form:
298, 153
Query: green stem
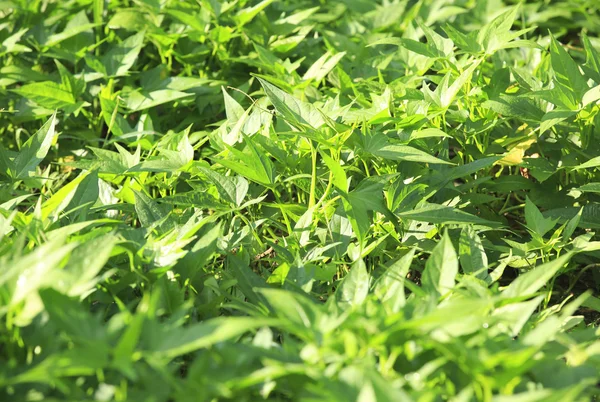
285, 218
313, 177
504, 210
249, 224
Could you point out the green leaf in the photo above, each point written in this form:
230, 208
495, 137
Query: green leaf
447, 93
530, 282
233, 109
303, 226
496, 35
591, 96
12, 74
571, 226
554, 117
86, 262
473, 259
246, 15
56, 204
136, 101
34, 150
389, 288
590, 188
47, 94
193, 20
592, 163
516, 315
366, 197
590, 216
443, 45
515, 106
379, 146
253, 164
27, 274
568, 78
112, 162
174, 153
354, 288
356, 213
469, 168
69, 32
536, 221
428, 133
337, 172
120, 58
294, 111
71, 317
468, 43
296, 310
75, 86
406, 153
441, 214
191, 264
149, 211
248, 281
424, 49
10, 45
130, 19
592, 59
323, 66
441, 268
233, 189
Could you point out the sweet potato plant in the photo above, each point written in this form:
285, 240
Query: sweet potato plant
299, 200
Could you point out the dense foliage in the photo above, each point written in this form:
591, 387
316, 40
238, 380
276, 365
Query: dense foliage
303, 200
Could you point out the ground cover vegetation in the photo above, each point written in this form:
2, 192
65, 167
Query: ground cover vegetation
299, 200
